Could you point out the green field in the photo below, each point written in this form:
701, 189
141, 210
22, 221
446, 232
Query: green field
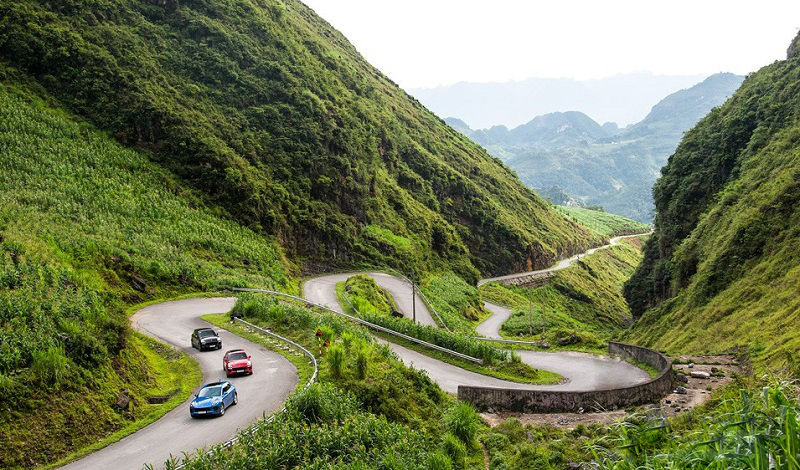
603, 223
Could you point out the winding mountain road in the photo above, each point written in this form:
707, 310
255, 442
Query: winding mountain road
273, 379
582, 371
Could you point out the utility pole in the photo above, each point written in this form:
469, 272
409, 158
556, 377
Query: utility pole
413, 300
544, 308
530, 311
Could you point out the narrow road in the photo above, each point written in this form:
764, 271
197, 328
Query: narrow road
563, 264
582, 371
273, 379
322, 290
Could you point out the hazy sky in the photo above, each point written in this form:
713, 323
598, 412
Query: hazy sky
425, 43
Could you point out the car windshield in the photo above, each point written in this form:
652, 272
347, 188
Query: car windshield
210, 392
206, 333
237, 355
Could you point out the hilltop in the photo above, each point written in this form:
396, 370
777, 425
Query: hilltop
274, 116
722, 262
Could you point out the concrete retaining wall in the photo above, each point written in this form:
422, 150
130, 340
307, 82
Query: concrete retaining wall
546, 401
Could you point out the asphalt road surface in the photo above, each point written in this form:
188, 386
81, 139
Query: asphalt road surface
262, 393
581, 371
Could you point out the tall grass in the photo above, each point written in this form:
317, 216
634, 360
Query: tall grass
753, 430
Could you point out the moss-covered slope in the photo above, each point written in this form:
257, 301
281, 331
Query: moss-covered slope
722, 266
266, 108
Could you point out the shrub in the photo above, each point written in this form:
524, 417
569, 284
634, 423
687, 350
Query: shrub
439, 461
462, 421
362, 361
336, 360
50, 366
322, 403
456, 450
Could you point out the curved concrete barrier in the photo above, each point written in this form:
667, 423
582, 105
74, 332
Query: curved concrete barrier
548, 401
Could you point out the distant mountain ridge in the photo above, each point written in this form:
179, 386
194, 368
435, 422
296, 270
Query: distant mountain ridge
602, 164
482, 105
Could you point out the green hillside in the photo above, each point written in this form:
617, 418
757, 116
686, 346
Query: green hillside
603, 223
721, 269
87, 228
274, 115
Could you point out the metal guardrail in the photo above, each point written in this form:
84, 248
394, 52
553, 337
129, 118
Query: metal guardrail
367, 324
269, 419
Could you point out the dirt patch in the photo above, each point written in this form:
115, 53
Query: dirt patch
698, 391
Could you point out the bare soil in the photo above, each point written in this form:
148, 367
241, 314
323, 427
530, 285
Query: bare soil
698, 391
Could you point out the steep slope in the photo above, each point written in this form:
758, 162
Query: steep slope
272, 113
721, 268
87, 228
600, 165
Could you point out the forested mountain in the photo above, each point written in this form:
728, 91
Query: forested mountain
274, 116
722, 267
603, 165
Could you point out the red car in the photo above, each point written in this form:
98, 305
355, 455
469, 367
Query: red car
236, 361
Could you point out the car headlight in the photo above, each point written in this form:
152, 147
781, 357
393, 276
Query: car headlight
249, 364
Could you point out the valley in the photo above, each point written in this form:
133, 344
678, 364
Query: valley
239, 165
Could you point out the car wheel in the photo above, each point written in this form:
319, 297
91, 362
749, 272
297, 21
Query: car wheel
222, 409
219, 346
235, 398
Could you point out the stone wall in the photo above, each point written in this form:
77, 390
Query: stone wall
546, 401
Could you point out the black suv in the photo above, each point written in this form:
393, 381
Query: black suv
205, 338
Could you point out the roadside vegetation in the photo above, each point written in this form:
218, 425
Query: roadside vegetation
457, 302
580, 307
497, 362
367, 411
601, 222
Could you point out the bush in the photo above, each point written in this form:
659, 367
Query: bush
438, 461
462, 421
321, 403
336, 360
50, 366
456, 450
362, 361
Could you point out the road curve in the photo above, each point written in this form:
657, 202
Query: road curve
322, 290
563, 264
273, 379
582, 371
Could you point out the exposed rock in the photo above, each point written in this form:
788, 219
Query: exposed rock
697, 374
794, 48
571, 339
681, 378
123, 401
680, 390
691, 365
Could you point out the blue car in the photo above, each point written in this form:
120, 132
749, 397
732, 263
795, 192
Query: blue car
213, 398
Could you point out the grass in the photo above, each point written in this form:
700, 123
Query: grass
603, 223
390, 415
457, 302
